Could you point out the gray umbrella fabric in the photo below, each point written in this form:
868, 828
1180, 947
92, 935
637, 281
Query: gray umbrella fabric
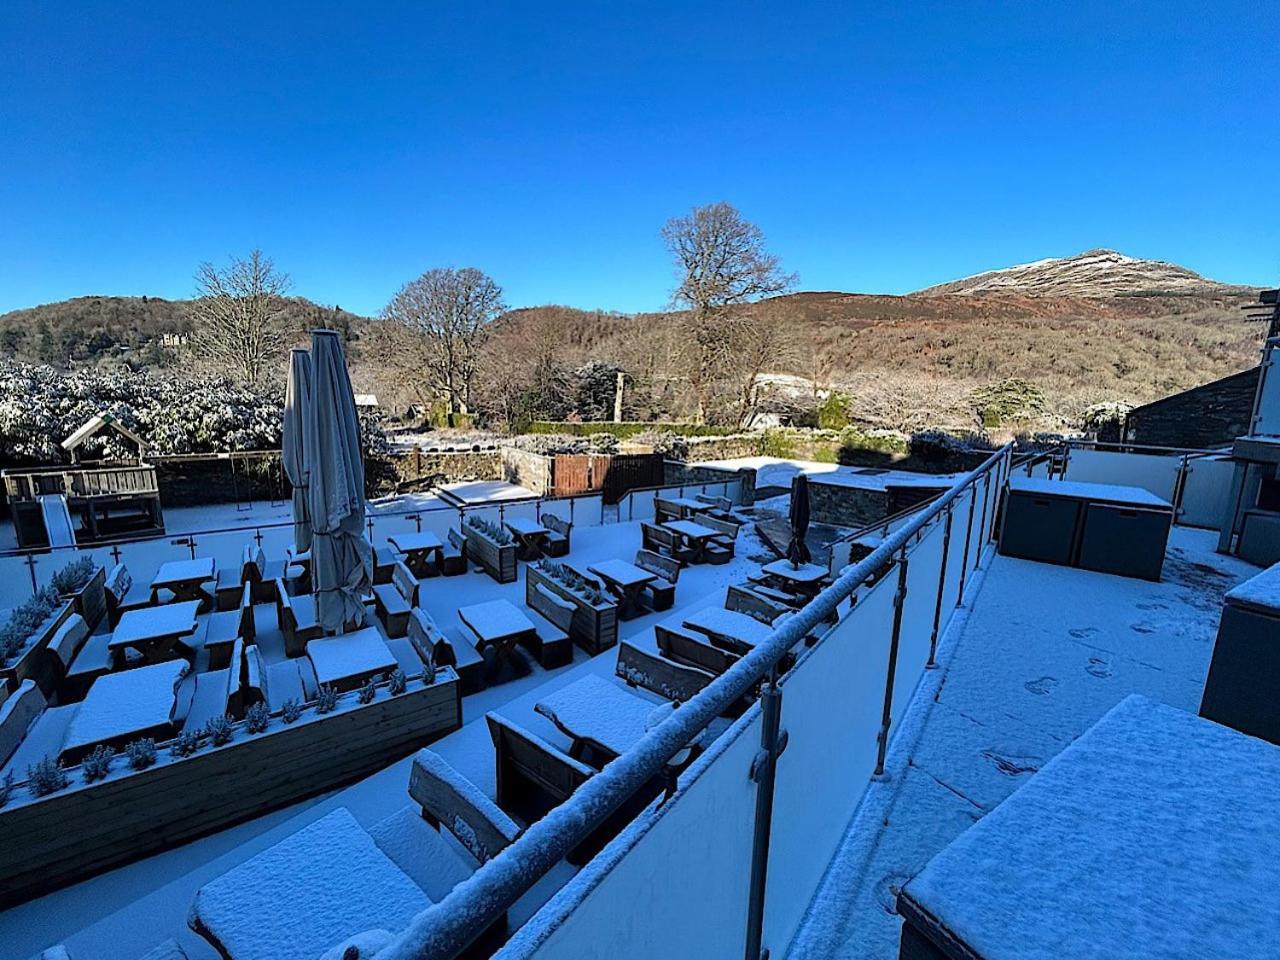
341, 558
297, 397
798, 550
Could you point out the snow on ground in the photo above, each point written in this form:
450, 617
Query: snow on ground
1041, 655
127, 911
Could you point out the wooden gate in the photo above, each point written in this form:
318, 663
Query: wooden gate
570, 474
612, 476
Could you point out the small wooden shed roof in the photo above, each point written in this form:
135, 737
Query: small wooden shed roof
94, 425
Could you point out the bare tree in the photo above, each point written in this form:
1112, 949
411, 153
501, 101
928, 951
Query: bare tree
721, 264
237, 316
448, 311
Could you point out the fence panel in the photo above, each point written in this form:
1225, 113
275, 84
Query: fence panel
831, 708
1157, 474
1206, 493
692, 858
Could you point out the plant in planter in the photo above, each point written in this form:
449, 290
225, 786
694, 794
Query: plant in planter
368, 690
497, 534
573, 581
46, 777
219, 730
257, 717
73, 576
398, 681
290, 710
6, 788
186, 743
326, 699
141, 753
24, 622
97, 764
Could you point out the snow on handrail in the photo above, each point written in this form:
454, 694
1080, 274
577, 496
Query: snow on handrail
445, 929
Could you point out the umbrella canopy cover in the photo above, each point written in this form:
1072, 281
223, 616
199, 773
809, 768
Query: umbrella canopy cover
341, 558
798, 550
297, 398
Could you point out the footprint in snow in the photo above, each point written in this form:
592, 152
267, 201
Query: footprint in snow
1081, 633
1142, 628
1012, 766
1153, 606
1042, 687
1097, 667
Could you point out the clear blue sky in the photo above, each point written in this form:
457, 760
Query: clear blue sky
880, 149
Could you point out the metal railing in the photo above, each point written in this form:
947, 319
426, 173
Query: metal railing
449, 927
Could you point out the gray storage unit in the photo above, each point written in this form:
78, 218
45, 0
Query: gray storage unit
1259, 537
1095, 526
1124, 540
1243, 686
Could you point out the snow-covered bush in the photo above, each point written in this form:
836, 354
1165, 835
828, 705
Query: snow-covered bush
326, 699
399, 680
368, 690
47, 776
185, 744
141, 753
73, 576
97, 764
935, 446
491, 530
219, 730
572, 581
1106, 420
257, 717
25, 621
290, 710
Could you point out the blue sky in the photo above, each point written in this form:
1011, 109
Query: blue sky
881, 147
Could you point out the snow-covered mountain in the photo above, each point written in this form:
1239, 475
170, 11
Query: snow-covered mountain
1094, 273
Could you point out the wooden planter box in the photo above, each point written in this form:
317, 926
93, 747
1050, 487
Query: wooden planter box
85, 829
35, 663
497, 559
593, 628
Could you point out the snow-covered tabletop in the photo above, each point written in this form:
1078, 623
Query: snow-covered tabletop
1261, 591
346, 661
600, 711
524, 527
1080, 490
148, 625
182, 572
495, 620
1151, 836
806, 573
717, 622
691, 529
622, 574
415, 542
309, 892
124, 706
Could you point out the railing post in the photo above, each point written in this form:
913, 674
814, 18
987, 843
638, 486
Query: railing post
31, 568
899, 601
968, 535
982, 520
763, 771
942, 586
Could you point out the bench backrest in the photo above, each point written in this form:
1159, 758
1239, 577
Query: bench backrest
285, 614
405, 582
552, 606
723, 504
660, 536
665, 567
255, 677
556, 524
425, 638
450, 800
688, 649
118, 582
235, 680
17, 713
457, 541
68, 639
536, 760
720, 526
665, 677
744, 600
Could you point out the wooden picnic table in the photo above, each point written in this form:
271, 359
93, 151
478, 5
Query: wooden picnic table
423, 552
596, 713
694, 534
806, 579
185, 579
729, 629
497, 625
689, 506
346, 661
153, 632
626, 581
122, 707
530, 537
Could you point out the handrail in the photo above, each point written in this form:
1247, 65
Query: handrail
449, 927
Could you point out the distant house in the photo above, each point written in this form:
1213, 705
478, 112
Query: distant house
1210, 415
368, 400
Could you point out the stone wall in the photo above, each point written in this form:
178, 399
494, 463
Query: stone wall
529, 470
1209, 415
724, 448
677, 471
844, 506
417, 464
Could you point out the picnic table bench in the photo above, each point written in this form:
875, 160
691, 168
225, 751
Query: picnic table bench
803, 580
153, 632
695, 536
595, 713
626, 581
346, 661
728, 628
185, 579
531, 537
498, 626
423, 552
123, 707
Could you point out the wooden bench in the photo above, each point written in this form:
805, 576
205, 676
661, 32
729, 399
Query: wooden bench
664, 510
663, 541
532, 774
450, 800
123, 594
557, 541
454, 555
384, 564
662, 591
18, 712
674, 681
296, 617
719, 549
721, 507
692, 649
65, 644
394, 601
435, 648
552, 648
749, 599
225, 627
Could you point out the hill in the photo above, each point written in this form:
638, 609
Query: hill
1094, 273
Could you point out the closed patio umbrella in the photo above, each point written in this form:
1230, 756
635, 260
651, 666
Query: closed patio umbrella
341, 558
798, 550
297, 397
